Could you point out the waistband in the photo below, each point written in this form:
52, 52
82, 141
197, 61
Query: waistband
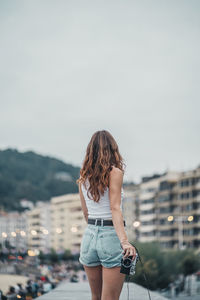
102, 222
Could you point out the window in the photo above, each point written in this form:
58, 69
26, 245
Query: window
148, 201
163, 198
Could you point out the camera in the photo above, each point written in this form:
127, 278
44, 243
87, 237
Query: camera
128, 265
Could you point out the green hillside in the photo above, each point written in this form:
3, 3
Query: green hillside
27, 175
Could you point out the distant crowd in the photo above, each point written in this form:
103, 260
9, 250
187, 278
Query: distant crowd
32, 289
50, 276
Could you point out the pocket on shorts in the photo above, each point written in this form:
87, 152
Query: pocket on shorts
86, 241
110, 244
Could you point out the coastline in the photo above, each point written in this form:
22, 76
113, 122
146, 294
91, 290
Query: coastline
7, 280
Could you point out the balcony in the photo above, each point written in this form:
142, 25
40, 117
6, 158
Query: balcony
147, 228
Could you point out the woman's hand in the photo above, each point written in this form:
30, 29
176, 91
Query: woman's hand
129, 250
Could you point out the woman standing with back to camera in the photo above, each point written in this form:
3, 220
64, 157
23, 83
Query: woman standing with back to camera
104, 242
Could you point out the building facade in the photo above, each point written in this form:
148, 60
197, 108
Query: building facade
39, 227
182, 228
67, 222
130, 210
163, 208
13, 230
169, 209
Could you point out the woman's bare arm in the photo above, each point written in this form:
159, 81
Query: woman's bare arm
83, 204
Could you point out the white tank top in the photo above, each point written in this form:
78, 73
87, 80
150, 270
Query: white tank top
99, 209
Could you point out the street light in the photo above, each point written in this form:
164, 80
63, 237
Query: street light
58, 230
23, 233
31, 252
45, 231
33, 232
74, 229
179, 220
136, 225
190, 218
170, 218
4, 234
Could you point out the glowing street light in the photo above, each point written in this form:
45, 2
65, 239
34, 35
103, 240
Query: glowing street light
4, 234
74, 229
180, 220
13, 234
136, 224
58, 230
31, 253
170, 218
190, 218
23, 233
33, 232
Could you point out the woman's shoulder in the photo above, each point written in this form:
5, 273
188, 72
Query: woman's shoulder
116, 171
116, 174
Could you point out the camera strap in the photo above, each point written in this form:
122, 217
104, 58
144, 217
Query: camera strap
143, 273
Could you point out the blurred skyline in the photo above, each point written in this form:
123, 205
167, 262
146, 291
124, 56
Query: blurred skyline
70, 68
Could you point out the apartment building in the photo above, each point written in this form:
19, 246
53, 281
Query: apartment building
130, 209
169, 208
182, 228
67, 222
166, 206
147, 208
157, 194
39, 227
13, 229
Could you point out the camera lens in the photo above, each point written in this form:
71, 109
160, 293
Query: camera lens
127, 262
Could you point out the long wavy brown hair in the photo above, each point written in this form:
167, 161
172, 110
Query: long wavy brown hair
101, 154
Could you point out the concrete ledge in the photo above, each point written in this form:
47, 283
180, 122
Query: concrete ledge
81, 290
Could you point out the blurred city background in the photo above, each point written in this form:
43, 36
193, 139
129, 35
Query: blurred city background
67, 70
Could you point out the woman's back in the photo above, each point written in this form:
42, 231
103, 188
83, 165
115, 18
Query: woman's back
105, 239
99, 209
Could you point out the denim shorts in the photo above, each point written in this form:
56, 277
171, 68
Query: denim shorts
100, 245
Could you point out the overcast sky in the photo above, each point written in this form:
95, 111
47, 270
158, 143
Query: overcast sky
70, 68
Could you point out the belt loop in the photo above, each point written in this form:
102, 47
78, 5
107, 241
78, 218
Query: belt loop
95, 222
101, 222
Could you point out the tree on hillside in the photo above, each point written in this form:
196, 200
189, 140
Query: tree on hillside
27, 175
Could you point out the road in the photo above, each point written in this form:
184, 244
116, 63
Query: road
81, 290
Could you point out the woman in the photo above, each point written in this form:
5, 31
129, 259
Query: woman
105, 240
